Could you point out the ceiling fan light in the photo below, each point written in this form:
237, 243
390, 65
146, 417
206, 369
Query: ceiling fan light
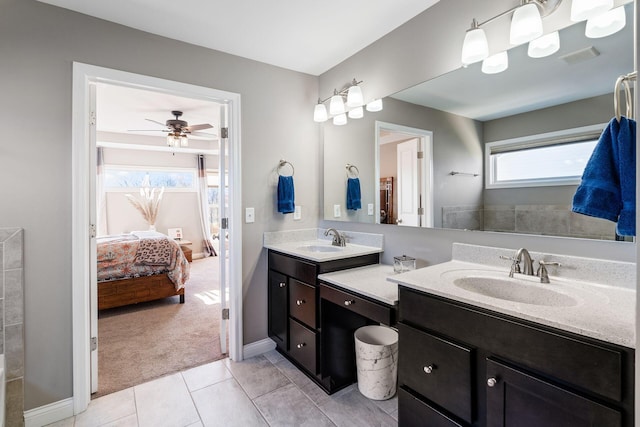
495, 63
375, 105
173, 140
606, 24
586, 9
526, 24
340, 119
475, 46
356, 113
354, 96
544, 46
336, 105
184, 141
320, 113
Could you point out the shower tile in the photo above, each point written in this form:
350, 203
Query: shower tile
545, 220
500, 218
588, 226
14, 351
14, 404
13, 297
5, 233
13, 251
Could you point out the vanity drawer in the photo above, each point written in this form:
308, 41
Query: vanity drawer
437, 369
412, 411
584, 363
292, 267
302, 302
369, 309
302, 345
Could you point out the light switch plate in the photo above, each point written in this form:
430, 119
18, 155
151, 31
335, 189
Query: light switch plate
336, 211
297, 213
370, 209
249, 215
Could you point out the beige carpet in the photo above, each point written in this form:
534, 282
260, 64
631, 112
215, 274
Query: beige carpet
141, 342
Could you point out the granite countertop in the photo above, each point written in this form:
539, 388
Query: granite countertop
370, 281
602, 312
297, 248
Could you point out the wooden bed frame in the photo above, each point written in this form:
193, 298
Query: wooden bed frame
116, 293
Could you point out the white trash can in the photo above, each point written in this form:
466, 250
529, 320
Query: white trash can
377, 361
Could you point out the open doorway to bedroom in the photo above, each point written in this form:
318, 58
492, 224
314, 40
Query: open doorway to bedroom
123, 164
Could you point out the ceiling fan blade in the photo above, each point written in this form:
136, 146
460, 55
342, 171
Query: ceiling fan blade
198, 127
204, 135
147, 130
157, 122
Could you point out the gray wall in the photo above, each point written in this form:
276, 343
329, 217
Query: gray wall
40, 42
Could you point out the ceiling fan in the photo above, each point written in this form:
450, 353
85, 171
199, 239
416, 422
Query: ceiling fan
178, 130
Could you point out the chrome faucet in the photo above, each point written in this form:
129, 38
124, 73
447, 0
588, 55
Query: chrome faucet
338, 239
522, 255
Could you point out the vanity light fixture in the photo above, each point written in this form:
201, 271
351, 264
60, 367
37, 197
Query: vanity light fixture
496, 63
544, 46
586, 9
348, 101
608, 23
526, 24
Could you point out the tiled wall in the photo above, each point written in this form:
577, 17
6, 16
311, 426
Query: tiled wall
552, 220
12, 317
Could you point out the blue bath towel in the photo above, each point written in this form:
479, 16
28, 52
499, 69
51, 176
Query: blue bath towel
286, 202
353, 194
608, 187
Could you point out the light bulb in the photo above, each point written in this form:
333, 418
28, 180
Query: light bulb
475, 47
340, 119
356, 113
544, 46
375, 105
336, 105
606, 24
526, 24
495, 63
354, 96
586, 9
320, 113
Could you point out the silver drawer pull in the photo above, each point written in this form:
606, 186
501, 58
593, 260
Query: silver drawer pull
282, 284
428, 369
301, 345
491, 382
300, 302
349, 302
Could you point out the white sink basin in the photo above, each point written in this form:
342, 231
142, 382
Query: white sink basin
524, 289
321, 248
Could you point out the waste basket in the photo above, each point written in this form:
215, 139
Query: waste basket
377, 361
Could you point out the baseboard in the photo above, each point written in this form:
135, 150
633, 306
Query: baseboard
256, 348
48, 414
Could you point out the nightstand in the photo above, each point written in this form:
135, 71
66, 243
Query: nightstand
185, 245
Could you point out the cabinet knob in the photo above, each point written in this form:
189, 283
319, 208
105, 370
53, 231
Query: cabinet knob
300, 345
428, 369
282, 284
491, 382
349, 302
300, 302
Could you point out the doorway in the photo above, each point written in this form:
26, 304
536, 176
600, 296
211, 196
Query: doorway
84, 207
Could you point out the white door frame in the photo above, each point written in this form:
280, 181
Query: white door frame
83, 76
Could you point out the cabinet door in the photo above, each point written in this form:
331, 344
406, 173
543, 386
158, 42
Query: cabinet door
278, 306
303, 346
517, 399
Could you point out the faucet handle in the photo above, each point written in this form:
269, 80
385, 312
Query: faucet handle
515, 265
542, 272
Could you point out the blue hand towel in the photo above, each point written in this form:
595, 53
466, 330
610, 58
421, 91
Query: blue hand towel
353, 194
608, 187
286, 202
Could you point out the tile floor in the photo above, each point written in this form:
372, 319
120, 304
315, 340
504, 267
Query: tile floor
266, 390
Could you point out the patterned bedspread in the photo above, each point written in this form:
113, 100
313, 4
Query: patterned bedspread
141, 253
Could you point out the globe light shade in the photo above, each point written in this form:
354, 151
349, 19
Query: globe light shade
495, 63
526, 24
544, 46
587, 9
336, 105
354, 96
606, 24
475, 47
320, 113
340, 119
356, 113
375, 105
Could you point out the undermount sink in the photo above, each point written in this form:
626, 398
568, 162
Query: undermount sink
518, 289
321, 248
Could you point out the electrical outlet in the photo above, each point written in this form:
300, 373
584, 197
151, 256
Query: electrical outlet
297, 213
336, 211
249, 215
370, 209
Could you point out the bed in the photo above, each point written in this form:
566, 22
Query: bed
138, 267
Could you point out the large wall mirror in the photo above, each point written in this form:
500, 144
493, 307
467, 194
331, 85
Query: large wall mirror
450, 119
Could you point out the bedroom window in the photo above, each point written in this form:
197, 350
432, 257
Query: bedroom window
127, 178
556, 158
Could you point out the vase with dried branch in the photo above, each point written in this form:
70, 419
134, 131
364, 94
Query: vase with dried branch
147, 204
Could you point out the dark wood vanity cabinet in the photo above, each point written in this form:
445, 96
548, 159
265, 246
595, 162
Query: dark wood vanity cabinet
295, 322
461, 365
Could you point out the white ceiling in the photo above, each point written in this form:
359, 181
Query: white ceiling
302, 35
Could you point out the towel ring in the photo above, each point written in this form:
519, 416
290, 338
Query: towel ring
624, 81
350, 173
284, 163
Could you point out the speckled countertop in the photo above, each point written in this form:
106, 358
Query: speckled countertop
370, 281
598, 311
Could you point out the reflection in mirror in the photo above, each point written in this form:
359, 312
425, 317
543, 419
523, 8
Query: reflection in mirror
466, 109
